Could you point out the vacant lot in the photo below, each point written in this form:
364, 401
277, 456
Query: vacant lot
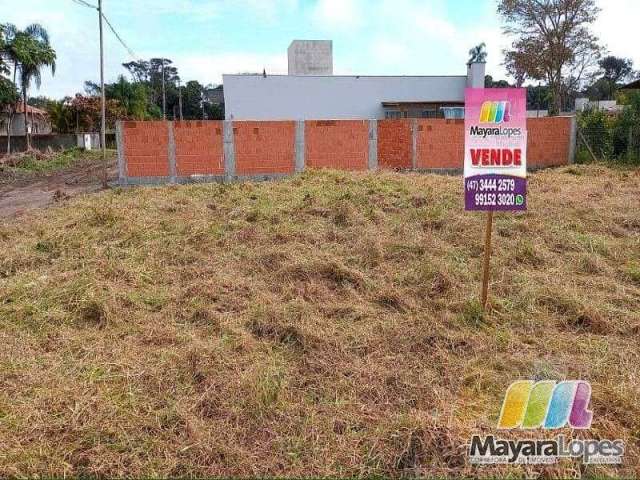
35, 180
321, 325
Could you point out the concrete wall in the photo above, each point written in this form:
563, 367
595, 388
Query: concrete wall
284, 97
157, 152
310, 57
56, 141
39, 125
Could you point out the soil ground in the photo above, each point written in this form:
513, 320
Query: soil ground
23, 190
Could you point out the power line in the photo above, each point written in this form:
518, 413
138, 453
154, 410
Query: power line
111, 27
85, 4
131, 52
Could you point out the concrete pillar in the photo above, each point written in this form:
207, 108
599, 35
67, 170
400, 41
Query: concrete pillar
414, 143
229, 151
173, 169
475, 74
122, 159
299, 146
373, 145
573, 132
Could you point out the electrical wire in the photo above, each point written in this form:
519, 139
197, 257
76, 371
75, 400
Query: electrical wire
111, 27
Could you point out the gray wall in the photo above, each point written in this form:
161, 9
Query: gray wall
56, 141
310, 57
287, 97
39, 125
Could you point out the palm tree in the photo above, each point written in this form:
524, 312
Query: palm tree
478, 54
28, 51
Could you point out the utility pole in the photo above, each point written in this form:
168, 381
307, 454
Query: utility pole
203, 102
164, 95
103, 125
180, 98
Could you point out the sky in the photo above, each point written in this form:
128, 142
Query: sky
206, 38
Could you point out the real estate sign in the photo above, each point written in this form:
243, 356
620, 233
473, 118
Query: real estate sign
495, 156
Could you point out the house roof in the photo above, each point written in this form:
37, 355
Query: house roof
635, 85
30, 109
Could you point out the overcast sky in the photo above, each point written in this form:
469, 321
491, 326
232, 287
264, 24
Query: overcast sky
206, 38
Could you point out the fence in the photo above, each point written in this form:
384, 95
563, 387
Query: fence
189, 151
55, 141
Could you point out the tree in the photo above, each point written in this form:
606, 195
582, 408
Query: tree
28, 51
553, 43
61, 115
478, 54
615, 69
87, 112
489, 82
8, 99
150, 74
4, 67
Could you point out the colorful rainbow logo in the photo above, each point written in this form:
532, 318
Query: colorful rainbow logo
495, 112
545, 404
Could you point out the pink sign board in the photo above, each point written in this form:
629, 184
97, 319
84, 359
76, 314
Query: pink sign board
495, 149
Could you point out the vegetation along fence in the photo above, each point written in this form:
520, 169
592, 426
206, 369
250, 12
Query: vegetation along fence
191, 151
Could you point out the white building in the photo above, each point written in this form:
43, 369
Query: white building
330, 97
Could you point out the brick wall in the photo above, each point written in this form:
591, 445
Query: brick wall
548, 143
395, 143
342, 144
440, 143
146, 148
198, 148
264, 147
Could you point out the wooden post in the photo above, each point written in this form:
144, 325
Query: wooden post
487, 258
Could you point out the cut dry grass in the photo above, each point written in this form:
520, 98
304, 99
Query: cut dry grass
322, 325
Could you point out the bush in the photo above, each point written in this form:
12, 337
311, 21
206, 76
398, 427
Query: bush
612, 137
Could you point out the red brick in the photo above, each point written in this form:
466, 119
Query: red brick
548, 141
341, 144
199, 148
440, 144
146, 148
264, 147
395, 144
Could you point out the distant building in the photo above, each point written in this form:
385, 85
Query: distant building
311, 91
310, 57
38, 121
215, 96
635, 85
609, 106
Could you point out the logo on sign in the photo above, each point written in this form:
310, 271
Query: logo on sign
546, 404
495, 112
550, 405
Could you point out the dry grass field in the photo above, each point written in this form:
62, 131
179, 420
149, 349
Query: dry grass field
323, 325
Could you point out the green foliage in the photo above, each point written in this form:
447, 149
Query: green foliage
614, 138
8, 92
61, 115
596, 129
33, 164
478, 53
133, 97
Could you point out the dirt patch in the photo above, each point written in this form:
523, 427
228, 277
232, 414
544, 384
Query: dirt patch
21, 192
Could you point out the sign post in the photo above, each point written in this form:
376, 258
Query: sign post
495, 158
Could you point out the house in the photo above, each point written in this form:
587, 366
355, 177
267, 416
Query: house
215, 96
311, 91
608, 106
635, 85
38, 121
